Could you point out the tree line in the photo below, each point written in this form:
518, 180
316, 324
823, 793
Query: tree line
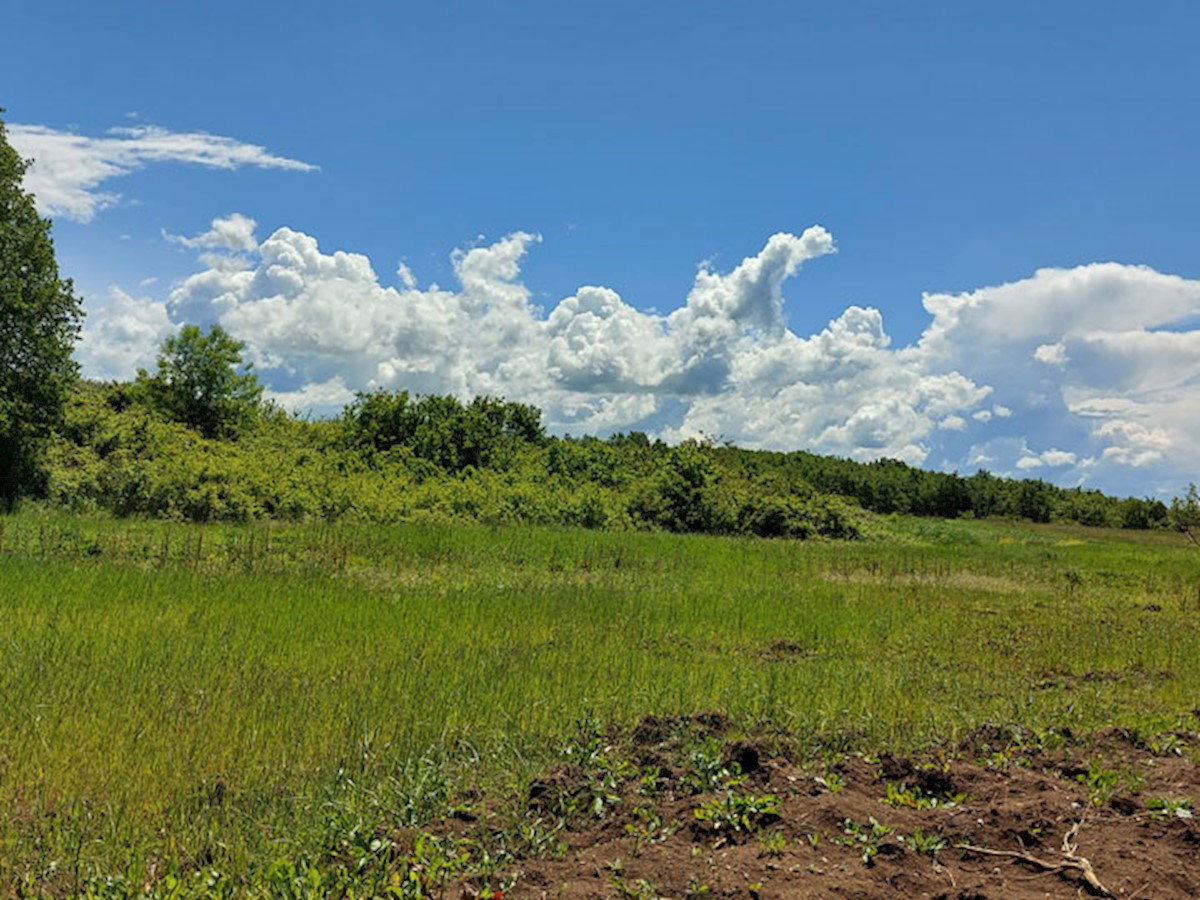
166, 445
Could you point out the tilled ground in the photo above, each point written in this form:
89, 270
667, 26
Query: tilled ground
996, 817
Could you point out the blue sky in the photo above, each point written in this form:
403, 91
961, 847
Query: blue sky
958, 234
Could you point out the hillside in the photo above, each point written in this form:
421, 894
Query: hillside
395, 458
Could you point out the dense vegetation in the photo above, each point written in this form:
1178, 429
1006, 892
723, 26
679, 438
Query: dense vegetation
39, 322
139, 449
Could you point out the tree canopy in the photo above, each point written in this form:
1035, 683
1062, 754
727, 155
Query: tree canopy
198, 382
39, 324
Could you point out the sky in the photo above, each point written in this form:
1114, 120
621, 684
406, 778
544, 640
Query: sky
961, 235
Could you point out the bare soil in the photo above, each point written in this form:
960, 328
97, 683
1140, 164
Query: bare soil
997, 816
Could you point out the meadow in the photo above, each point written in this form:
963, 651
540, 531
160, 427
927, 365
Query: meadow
231, 709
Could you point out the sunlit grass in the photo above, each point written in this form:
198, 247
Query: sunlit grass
197, 695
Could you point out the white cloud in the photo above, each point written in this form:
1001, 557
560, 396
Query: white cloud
406, 276
1051, 354
1120, 373
1135, 444
69, 169
319, 326
1116, 393
1058, 458
235, 232
328, 394
121, 334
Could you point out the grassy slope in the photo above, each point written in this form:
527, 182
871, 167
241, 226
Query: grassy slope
195, 697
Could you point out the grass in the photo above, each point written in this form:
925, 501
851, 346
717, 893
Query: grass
185, 702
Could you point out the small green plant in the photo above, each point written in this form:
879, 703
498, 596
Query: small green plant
1167, 744
1074, 581
901, 795
537, 839
925, 844
706, 769
831, 781
648, 827
1170, 808
772, 844
640, 889
865, 837
1100, 782
604, 772
735, 811
650, 782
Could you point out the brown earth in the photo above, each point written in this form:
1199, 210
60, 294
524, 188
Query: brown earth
998, 816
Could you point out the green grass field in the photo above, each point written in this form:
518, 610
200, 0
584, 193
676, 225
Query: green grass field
207, 709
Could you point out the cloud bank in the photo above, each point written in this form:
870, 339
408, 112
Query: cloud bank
1085, 375
69, 169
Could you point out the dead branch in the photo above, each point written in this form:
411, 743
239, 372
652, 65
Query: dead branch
1070, 861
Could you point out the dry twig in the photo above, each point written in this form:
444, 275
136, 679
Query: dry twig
1070, 861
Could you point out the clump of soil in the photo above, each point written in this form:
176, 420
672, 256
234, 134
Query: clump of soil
1000, 815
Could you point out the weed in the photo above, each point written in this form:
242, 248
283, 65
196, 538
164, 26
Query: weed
1167, 744
831, 781
926, 844
772, 844
648, 828
537, 839
1100, 782
901, 795
706, 769
865, 837
1170, 808
736, 811
640, 889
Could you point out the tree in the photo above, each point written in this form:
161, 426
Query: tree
487, 432
39, 324
1185, 514
199, 385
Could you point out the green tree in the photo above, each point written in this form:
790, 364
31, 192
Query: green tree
198, 382
1185, 514
39, 324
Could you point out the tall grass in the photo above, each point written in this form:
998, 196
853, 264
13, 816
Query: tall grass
221, 696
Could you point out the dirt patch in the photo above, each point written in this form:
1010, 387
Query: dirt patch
998, 816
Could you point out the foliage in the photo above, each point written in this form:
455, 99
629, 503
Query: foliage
1185, 514
39, 324
442, 430
1170, 808
865, 837
197, 383
925, 844
736, 810
391, 457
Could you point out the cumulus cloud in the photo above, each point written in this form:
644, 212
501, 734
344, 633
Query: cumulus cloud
122, 334
69, 169
1053, 458
235, 232
1119, 378
1115, 391
1051, 354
